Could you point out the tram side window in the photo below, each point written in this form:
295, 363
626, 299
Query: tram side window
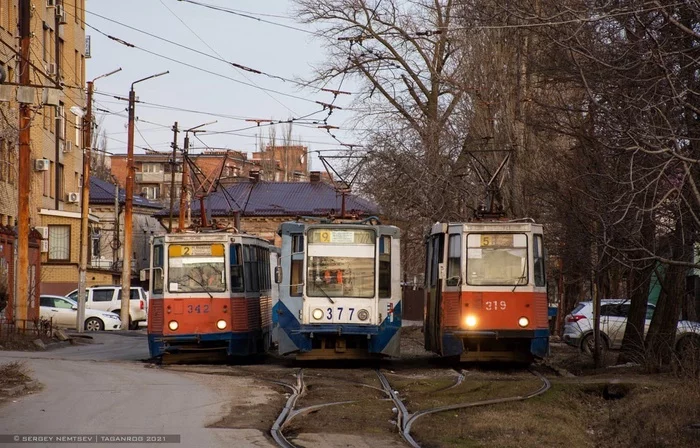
157, 270
251, 269
296, 277
454, 257
385, 267
263, 268
437, 253
540, 279
236, 268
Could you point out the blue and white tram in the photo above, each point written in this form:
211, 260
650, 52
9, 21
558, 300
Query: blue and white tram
340, 291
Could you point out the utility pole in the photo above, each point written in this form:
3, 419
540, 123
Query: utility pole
85, 204
183, 188
129, 206
185, 175
173, 164
25, 172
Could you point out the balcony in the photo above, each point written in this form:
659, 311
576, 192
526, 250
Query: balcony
149, 178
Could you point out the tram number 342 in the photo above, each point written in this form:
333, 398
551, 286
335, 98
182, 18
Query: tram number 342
197, 309
495, 305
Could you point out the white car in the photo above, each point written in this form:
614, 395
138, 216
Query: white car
63, 313
578, 326
109, 298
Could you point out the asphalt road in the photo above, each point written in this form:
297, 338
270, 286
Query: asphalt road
104, 388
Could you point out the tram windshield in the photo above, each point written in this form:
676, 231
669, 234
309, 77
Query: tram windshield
497, 259
341, 263
196, 268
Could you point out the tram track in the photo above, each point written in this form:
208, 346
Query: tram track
405, 419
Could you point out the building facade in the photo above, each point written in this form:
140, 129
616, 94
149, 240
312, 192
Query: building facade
57, 95
154, 172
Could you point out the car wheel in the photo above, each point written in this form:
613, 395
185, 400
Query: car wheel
588, 344
94, 324
133, 325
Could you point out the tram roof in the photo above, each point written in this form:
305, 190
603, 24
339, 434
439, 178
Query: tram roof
487, 226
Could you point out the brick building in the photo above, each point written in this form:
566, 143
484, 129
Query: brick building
154, 171
57, 76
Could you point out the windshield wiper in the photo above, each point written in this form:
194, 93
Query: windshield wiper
324, 292
200, 284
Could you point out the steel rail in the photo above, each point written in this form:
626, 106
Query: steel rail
406, 430
283, 418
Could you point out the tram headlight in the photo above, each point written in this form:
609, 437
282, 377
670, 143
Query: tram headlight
363, 314
173, 325
470, 321
221, 324
523, 321
317, 314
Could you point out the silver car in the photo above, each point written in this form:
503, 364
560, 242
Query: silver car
578, 326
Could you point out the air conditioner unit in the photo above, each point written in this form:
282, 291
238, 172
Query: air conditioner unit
44, 231
44, 246
42, 164
68, 146
61, 14
50, 3
51, 69
73, 198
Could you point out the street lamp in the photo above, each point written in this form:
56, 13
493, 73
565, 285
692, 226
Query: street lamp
128, 205
185, 172
85, 199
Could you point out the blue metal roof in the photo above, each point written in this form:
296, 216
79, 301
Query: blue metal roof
102, 192
264, 198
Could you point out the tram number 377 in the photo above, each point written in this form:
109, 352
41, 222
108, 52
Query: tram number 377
339, 313
495, 305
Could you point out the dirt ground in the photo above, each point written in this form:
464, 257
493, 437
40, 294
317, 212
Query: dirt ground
15, 380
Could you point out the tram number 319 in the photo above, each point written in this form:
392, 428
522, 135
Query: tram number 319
495, 305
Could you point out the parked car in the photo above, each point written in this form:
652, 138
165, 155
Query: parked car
578, 326
63, 313
109, 298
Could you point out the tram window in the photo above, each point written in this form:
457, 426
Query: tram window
236, 268
437, 258
297, 242
454, 258
384, 267
251, 269
157, 271
538, 253
497, 259
295, 281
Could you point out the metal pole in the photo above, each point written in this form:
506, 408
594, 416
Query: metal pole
128, 213
85, 204
173, 164
183, 189
24, 167
129, 206
84, 210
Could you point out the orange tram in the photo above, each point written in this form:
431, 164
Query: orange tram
486, 296
210, 292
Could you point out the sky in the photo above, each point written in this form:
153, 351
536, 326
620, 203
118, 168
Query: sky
209, 88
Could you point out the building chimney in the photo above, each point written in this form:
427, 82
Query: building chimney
314, 176
254, 175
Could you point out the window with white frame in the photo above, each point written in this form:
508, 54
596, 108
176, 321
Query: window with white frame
151, 168
59, 243
151, 191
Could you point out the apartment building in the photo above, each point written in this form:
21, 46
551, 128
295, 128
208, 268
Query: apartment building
154, 172
57, 95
